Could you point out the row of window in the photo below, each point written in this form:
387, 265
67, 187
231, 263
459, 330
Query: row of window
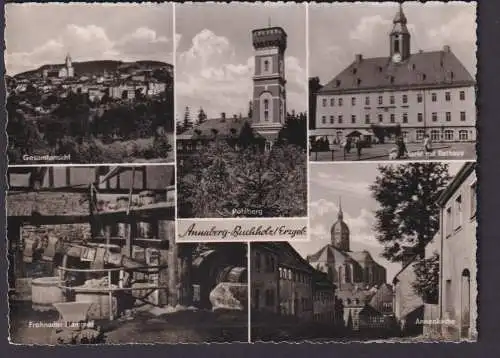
392, 99
323, 297
287, 274
455, 211
268, 260
392, 118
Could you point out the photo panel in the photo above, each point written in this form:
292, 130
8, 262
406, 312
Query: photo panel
391, 258
393, 81
241, 117
83, 89
93, 260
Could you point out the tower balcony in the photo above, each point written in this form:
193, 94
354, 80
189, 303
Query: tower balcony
269, 37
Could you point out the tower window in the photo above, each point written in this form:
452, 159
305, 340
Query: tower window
266, 109
266, 65
396, 44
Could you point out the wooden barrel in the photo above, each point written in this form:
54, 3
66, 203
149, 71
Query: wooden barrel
45, 292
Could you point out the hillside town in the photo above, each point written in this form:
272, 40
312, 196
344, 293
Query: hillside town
122, 108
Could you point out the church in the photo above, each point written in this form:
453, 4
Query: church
356, 274
268, 113
60, 71
420, 93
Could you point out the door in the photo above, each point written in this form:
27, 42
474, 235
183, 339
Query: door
465, 304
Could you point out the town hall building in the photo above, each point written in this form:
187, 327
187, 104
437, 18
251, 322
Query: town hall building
423, 93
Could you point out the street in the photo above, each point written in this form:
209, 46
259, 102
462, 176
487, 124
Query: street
441, 151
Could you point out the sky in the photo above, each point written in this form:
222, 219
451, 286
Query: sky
38, 34
349, 183
338, 32
214, 58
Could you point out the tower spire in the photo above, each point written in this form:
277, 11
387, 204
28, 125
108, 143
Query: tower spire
340, 214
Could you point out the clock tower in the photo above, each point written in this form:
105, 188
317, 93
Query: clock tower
269, 94
400, 37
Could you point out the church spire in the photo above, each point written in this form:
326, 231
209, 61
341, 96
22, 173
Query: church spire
340, 215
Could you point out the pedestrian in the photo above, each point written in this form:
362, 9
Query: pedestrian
359, 147
402, 151
427, 145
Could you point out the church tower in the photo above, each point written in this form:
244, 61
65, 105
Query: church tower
69, 66
400, 37
340, 235
269, 95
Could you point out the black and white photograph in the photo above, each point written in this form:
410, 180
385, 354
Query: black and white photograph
93, 259
391, 258
241, 98
89, 83
393, 81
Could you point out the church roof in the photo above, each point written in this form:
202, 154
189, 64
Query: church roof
383, 294
328, 253
420, 70
361, 256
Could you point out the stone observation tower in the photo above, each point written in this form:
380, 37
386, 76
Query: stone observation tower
269, 94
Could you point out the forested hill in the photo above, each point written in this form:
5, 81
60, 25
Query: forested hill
98, 67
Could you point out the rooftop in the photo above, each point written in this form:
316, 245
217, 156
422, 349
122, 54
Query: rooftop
421, 70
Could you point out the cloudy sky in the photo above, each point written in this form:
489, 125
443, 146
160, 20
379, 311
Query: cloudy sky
38, 34
338, 32
350, 182
214, 63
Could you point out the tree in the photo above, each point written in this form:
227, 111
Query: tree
295, 130
250, 109
201, 116
426, 284
187, 119
408, 217
219, 178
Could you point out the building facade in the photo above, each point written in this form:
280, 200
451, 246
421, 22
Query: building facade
265, 278
458, 284
421, 93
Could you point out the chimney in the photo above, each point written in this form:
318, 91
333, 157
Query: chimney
358, 57
446, 48
223, 116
